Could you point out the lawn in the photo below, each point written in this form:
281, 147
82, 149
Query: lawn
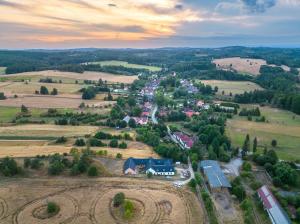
283, 126
128, 65
234, 87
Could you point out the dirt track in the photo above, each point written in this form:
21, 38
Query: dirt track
89, 201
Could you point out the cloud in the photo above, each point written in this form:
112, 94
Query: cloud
258, 6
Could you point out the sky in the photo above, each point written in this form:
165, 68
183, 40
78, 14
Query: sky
56, 24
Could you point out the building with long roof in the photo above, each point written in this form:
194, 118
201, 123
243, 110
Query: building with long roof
276, 213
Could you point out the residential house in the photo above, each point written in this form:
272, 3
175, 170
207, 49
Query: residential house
184, 140
158, 167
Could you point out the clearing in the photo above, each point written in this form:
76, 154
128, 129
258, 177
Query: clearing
111, 78
89, 201
48, 101
248, 66
234, 87
284, 126
127, 65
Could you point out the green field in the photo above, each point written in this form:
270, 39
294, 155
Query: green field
7, 114
2, 70
281, 125
234, 87
128, 65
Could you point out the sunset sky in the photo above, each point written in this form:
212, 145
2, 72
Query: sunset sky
148, 23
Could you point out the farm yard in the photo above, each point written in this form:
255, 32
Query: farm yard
248, 66
283, 126
127, 65
234, 87
90, 201
95, 76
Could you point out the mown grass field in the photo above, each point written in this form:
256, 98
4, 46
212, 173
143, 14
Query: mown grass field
128, 65
282, 126
234, 87
2, 70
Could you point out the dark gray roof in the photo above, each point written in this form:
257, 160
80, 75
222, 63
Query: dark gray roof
214, 174
159, 165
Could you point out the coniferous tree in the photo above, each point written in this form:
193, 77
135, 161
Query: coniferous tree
255, 145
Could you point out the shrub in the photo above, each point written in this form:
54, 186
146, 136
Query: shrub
61, 140
119, 156
94, 142
118, 199
44, 90
9, 167
80, 142
123, 145
36, 164
27, 163
52, 208
128, 207
247, 166
93, 171
56, 168
113, 143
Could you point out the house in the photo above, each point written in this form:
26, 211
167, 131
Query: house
141, 120
158, 167
200, 103
217, 180
126, 119
276, 214
184, 140
190, 113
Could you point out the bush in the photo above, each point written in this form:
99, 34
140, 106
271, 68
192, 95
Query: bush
56, 168
94, 142
80, 142
123, 145
36, 164
61, 140
9, 167
113, 143
93, 171
52, 208
118, 199
119, 156
128, 207
247, 166
27, 163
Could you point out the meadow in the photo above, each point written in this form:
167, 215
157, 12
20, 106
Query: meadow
127, 65
234, 87
283, 126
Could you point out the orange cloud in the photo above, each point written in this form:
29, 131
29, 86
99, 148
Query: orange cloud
67, 20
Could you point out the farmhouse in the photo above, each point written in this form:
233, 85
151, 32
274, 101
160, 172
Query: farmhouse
216, 178
276, 214
184, 140
158, 167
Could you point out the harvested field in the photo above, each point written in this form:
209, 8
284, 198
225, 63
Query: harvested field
127, 65
90, 201
22, 88
39, 130
244, 65
234, 87
77, 76
63, 101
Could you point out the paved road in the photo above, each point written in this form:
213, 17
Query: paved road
154, 120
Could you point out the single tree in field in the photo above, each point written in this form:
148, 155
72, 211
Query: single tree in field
255, 145
246, 146
54, 91
24, 109
119, 199
274, 143
44, 90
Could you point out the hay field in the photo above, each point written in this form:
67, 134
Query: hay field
47, 101
46, 130
127, 65
111, 78
88, 201
248, 66
10, 88
234, 87
281, 125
